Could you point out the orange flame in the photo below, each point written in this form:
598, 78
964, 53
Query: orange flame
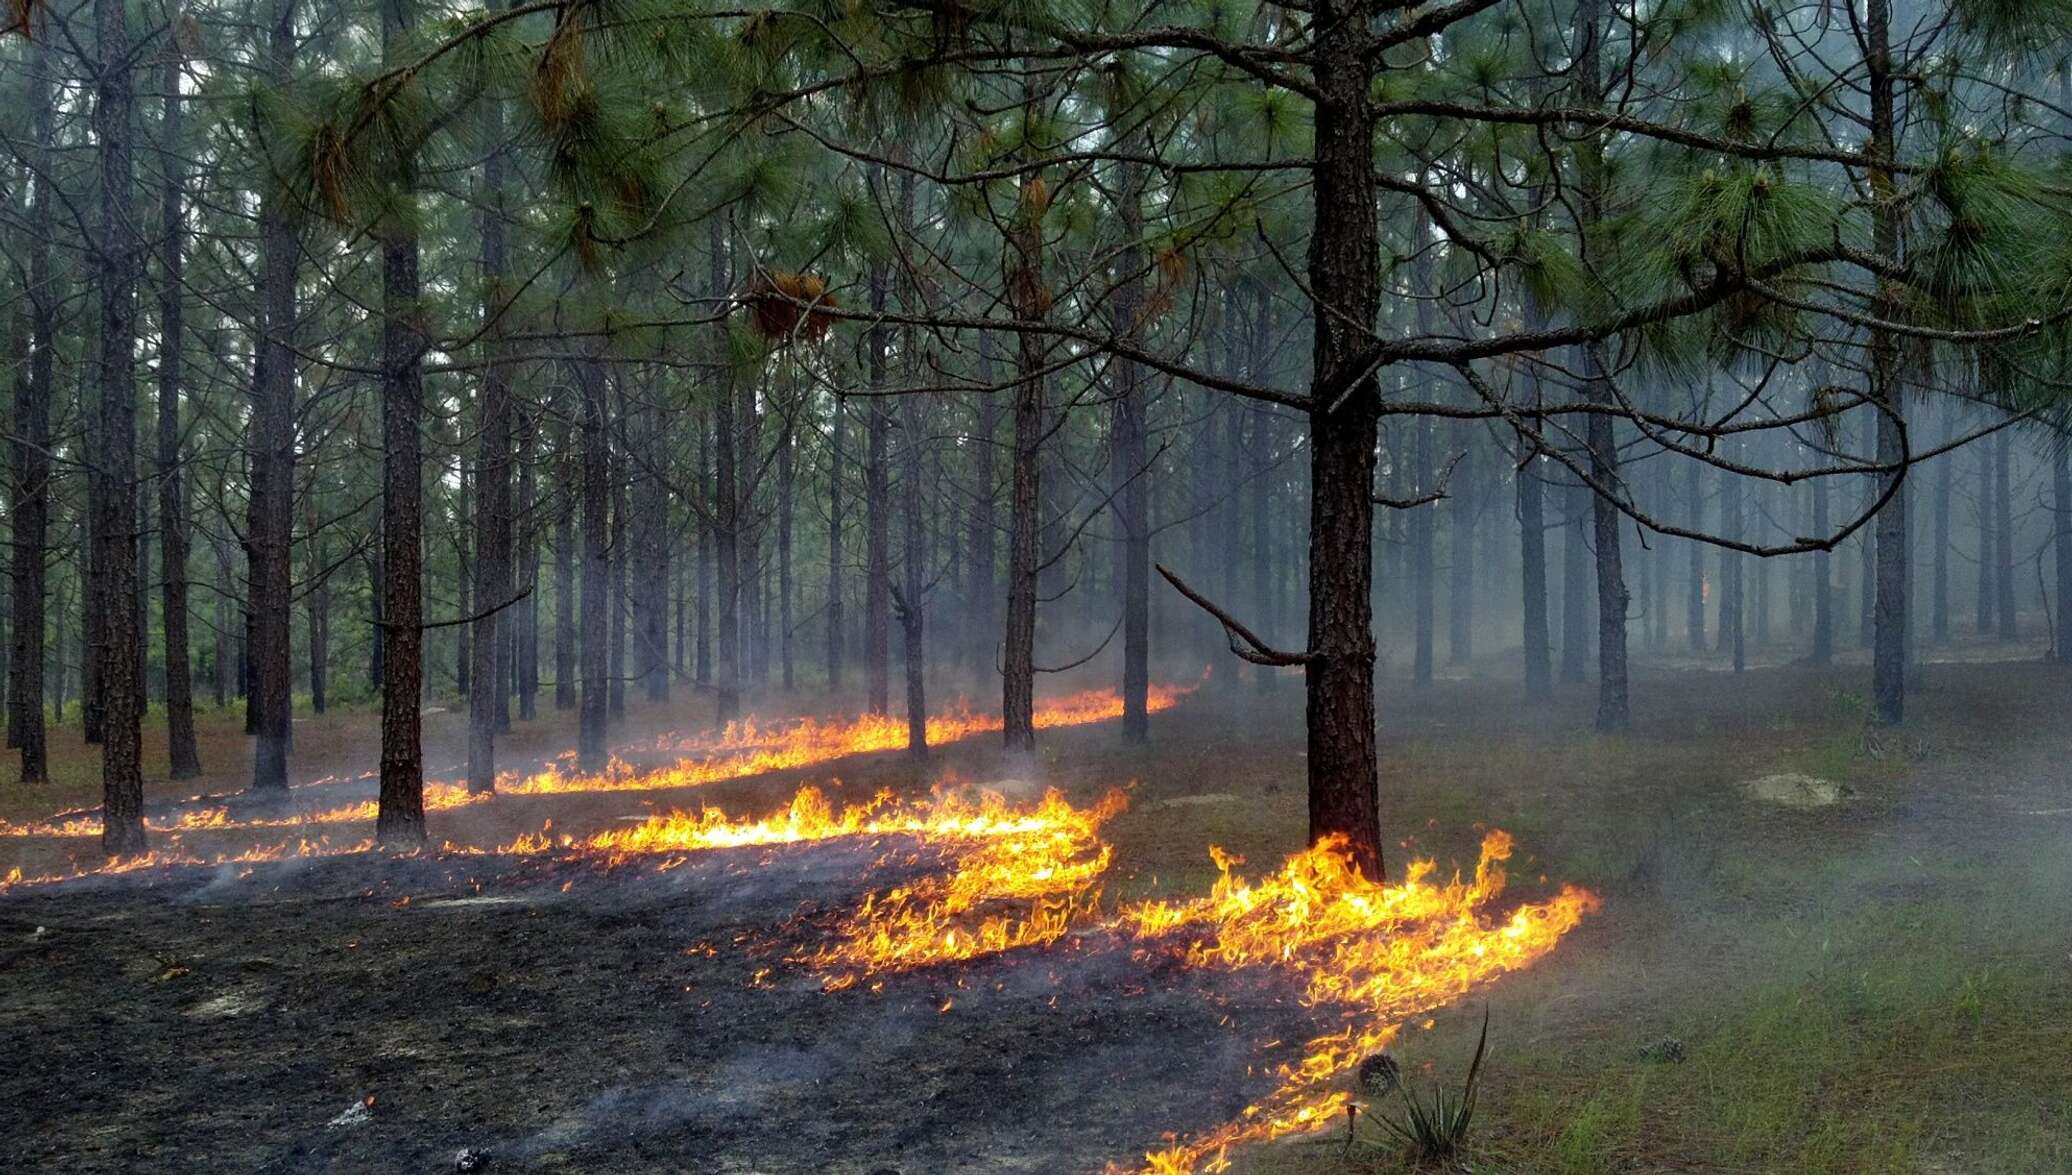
741, 749
1386, 953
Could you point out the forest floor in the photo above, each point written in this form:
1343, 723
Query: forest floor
1879, 984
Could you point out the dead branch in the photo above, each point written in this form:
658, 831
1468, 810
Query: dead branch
1435, 494
1258, 652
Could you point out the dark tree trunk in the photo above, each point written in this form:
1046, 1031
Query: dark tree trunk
1421, 552
616, 544
786, 474
594, 715
726, 513
877, 582
1132, 488
1614, 707
1823, 572
2061, 541
1732, 638
33, 390
1577, 502
1532, 545
702, 672
1694, 590
836, 500
1344, 267
183, 755
1029, 297
492, 569
2003, 534
565, 593
122, 677
982, 614
1945, 476
268, 531
1888, 657
1985, 596
1460, 549
319, 615
910, 604
1614, 710
226, 592
526, 649
400, 821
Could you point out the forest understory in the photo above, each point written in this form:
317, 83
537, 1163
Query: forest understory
1881, 983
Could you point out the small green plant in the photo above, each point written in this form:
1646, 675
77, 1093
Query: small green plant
1436, 1129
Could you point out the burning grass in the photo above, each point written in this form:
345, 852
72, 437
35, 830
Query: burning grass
989, 877
741, 749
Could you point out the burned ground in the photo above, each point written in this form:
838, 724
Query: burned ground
1878, 984
634, 1021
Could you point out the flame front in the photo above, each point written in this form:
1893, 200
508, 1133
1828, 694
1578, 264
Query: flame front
741, 749
1382, 953
996, 877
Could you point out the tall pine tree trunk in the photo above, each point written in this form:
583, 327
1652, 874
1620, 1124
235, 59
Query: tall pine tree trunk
268, 532
34, 388
2003, 533
593, 713
1132, 491
1030, 299
492, 569
877, 558
183, 755
911, 609
1888, 656
726, 510
1344, 267
115, 460
400, 820
836, 500
982, 613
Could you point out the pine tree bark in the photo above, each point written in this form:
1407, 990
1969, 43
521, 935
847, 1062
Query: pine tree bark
1945, 477
399, 822
526, 650
565, 585
1344, 266
1889, 651
1732, 607
318, 622
1614, 708
268, 531
1694, 587
183, 755
877, 557
911, 608
726, 512
836, 500
1460, 569
1823, 580
34, 388
1577, 504
115, 460
1532, 581
982, 612
617, 543
702, 661
1422, 544
786, 487
594, 715
1029, 298
2061, 541
2003, 534
1131, 492
492, 568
